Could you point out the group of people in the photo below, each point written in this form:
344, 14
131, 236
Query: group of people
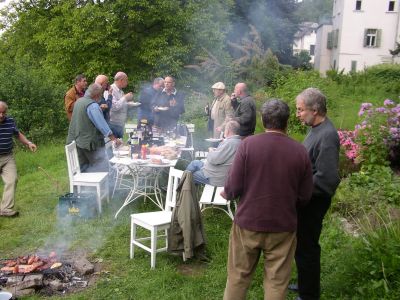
284, 191
284, 187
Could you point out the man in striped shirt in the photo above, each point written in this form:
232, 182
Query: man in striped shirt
8, 168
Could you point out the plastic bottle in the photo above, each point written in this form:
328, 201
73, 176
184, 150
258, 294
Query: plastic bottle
144, 151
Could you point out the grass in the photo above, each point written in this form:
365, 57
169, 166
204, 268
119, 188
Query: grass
38, 229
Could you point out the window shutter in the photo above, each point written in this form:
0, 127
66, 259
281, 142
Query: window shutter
365, 37
329, 44
378, 37
336, 38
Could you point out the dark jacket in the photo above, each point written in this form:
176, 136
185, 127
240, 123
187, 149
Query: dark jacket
245, 114
186, 233
170, 117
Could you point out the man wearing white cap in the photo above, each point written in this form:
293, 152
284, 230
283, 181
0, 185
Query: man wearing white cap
220, 109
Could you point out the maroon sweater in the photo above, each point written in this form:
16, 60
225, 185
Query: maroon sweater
271, 174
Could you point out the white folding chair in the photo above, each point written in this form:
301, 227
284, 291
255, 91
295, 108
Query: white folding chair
78, 179
156, 221
117, 172
211, 198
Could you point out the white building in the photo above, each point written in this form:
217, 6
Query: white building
305, 38
361, 34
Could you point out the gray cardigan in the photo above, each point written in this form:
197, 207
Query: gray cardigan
220, 160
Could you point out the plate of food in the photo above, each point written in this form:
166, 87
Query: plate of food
162, 108
139, 161
212, 140
133, 104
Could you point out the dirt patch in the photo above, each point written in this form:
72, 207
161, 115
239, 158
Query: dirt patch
193, 269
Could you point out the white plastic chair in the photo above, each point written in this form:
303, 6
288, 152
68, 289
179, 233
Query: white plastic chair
78, 179
156, 221
211, 198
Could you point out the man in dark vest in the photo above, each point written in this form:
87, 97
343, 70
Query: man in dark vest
244, 108
88, 128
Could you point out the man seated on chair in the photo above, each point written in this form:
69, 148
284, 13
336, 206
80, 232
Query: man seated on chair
216, 167
88, 128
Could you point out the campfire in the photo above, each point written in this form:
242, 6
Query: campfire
44, 274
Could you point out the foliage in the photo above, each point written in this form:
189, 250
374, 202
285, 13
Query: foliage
371, 267
314, 10
274, 20
301, 60
372, 186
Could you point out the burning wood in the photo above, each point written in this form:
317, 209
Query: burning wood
29, 264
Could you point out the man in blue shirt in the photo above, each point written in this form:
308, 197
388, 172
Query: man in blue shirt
88, 128
106, 99
8, 168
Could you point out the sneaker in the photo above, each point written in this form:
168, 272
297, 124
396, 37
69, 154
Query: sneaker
9, 213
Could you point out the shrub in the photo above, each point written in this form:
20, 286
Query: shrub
370, 268
376, 140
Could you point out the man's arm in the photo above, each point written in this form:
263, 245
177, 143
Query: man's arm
246, 113
326, 177
22, 138
221, 154
306, 183
234, 183
69, 101
96, 116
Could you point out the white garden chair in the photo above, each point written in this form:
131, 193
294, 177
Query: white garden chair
211, 198
156, 221
98, 180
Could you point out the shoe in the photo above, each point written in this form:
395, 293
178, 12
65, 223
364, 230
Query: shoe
9, 213
293, 287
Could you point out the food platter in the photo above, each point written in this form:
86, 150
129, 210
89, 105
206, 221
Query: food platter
134, 104
212, 140
162, 108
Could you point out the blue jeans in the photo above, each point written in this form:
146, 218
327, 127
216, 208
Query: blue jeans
196, 168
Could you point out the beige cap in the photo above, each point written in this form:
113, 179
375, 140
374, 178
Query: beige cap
219, 86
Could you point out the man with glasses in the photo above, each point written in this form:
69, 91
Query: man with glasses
322, 144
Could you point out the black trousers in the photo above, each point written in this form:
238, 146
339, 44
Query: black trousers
308, 250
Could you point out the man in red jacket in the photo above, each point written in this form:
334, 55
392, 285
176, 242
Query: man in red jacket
271, 175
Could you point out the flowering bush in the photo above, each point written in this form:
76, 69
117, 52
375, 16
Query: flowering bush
376, 140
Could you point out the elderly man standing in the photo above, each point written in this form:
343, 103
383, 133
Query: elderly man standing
322, 144
215, 170
8, 168
119, 109
245, 109
88, 129
74, 93
168, 105
271, 175
220, 109
147, 97
105, 103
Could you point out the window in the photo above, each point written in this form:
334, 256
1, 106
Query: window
372, 37
358, 5
312, 49
329, 44
391, 6
353, 66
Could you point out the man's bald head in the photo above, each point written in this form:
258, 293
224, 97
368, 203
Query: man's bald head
102, 80
241, 90
121, 80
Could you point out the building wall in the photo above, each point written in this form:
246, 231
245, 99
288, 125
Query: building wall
304, 43
322, 60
